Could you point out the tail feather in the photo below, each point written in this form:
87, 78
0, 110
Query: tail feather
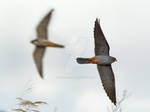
83, 60
58, 45
52, 44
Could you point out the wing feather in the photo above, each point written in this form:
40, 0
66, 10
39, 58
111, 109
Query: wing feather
42, 26
101, 45
38, 55
108, 81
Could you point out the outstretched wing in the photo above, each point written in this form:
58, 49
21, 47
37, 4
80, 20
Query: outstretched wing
108, 81
42, 26
101, 45
38, 59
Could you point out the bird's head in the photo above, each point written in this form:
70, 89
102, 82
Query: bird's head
114, 60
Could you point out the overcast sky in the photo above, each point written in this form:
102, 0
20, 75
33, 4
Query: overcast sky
67, 85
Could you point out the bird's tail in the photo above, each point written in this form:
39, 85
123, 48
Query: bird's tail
83, 60
52, 44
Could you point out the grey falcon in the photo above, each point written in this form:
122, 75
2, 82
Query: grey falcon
103, 61
41, 42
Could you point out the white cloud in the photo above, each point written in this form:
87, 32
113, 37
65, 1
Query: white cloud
92, 101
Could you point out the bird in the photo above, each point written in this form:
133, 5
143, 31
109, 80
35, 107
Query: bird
41, 42
103, 61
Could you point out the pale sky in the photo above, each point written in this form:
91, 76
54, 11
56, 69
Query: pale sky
67, 85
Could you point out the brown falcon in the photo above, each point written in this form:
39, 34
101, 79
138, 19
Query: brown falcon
41, 42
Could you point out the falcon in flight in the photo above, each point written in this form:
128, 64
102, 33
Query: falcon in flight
103, 61
41, 42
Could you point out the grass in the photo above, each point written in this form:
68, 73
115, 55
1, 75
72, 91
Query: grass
27, 105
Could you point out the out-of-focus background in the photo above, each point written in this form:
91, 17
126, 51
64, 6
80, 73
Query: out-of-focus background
67, 85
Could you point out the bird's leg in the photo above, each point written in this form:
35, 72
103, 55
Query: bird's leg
93, 60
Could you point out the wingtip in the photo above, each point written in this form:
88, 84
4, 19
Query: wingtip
111, 96
41, 76
113, 100
97, 23
114, 103
52, 10
97, 20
